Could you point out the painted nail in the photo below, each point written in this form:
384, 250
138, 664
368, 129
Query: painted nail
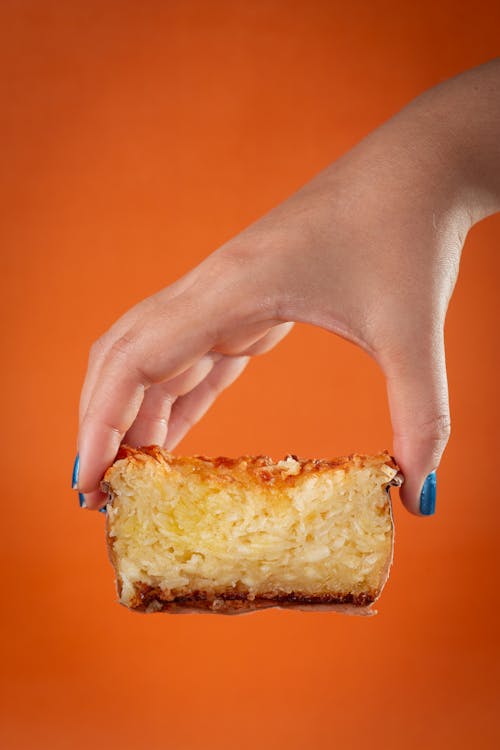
76, 469
81, 500
103, 510
428, 495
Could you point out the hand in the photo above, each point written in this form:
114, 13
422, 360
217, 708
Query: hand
368, 250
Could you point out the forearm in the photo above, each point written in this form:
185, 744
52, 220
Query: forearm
436, 162
456, 126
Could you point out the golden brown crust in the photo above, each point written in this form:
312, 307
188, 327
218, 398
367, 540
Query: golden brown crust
262, 468
149, 598
260, 461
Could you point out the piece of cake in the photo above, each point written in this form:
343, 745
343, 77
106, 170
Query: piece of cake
231, 535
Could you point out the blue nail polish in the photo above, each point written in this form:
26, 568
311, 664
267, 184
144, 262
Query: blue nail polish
81, 500
76, 469
428, 495
103, 510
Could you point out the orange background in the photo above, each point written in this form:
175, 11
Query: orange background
136, 137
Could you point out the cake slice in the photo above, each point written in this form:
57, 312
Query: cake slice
236, 534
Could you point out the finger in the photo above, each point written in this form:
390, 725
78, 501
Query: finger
152, 352
150, 426
101, 347
418, 399
269, 340
190, 408
98, 352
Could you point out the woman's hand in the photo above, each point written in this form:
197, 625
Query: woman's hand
368, 250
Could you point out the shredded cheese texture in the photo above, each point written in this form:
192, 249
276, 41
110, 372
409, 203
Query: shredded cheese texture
183, 529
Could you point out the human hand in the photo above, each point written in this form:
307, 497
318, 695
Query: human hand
368, 250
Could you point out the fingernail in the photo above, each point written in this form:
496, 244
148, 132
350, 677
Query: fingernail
103, 510
81, 500
428, 495
76, 469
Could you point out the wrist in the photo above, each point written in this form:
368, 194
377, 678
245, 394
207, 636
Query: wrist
460, 119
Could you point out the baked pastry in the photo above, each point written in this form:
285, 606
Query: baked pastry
231, 535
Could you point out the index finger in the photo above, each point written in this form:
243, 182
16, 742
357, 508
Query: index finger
151, 352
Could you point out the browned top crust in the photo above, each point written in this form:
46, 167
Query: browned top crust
263, 468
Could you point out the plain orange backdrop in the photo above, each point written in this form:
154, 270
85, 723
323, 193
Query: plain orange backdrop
136, 137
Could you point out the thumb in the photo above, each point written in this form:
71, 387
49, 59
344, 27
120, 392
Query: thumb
418, 400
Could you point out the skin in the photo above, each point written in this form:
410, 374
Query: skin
368, 250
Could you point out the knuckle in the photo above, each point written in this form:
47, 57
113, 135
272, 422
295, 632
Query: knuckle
155, 421
123, 346
211, 391
438, 428
97, 349
167, 398
124, 351
183, 422
116, 430
430, 436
